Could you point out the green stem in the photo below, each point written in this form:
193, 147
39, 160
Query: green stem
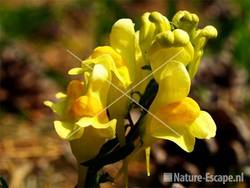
147, 152
82, 173
121, 131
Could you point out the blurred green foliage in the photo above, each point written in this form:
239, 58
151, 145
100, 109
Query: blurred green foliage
25, 21
233, 24
242, 36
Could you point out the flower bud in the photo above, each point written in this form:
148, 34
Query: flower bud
152, 24
170, 46
186, 21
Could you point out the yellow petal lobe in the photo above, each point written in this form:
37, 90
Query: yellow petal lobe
180, 113
204, 126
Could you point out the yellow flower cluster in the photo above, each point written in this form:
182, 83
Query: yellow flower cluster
174, 54
172, 51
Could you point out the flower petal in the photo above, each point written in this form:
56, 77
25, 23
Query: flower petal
58, 108
107, 128
174, 84
177, 134
67, 130
151, 24
186, 21
183, 112
203, 127
147, 33
61, 95
99, 83
122, 39
75, 89
75, 71
170, 46
108, 56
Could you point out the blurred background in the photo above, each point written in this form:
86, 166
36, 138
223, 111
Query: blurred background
34, 37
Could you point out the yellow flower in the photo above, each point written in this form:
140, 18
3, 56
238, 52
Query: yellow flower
143, 72
189, 22
171, 52
119, 57
82, 114
170, 46
123, 59
186, 21
122, 40
151, 25
176, 116
160, 43
63, 109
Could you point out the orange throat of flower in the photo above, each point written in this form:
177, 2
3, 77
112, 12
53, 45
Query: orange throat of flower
86, 106
180, 113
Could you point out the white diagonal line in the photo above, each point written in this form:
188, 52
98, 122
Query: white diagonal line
138, 83
75, 56
154, 116
126, 93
